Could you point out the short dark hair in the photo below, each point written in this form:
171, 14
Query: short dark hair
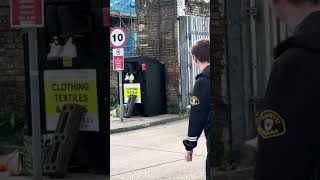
303, 1
201, 50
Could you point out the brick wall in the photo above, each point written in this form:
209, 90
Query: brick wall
12, 82
157, 38
198, 8
169, 51
221, 105
148, 37
113, 81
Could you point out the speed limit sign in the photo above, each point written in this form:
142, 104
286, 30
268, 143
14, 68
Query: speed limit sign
118, 37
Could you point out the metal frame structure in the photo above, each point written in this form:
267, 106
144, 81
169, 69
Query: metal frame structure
126, 20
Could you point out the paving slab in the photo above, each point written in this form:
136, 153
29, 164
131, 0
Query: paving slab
178, 170
156, 153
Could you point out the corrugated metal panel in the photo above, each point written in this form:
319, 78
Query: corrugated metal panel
270, 33
266, 32
191, 29
251, 40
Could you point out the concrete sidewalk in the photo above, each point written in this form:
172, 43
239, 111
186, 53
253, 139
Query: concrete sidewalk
156, 153
135, 123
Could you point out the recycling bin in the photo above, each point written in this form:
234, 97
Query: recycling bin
145, 78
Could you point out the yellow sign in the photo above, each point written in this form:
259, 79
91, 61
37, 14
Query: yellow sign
67, 62
132, 89
71, 86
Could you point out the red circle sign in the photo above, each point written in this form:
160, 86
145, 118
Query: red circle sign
118, 37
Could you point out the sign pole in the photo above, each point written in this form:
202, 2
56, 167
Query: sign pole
118, 39
121, 95
35, 104
30, 14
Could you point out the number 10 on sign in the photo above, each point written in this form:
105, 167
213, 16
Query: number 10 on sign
118, 37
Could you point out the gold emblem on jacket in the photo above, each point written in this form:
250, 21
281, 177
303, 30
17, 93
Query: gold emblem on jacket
194, 101
271, 125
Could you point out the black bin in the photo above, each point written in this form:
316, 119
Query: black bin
150, 74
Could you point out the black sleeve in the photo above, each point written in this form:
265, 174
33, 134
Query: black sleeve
199, 113
288, 119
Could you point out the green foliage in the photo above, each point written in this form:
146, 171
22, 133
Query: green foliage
118, 110
181, 112
27, 156
11, 126
114, 101
173, 109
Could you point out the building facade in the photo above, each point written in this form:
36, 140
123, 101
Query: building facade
158, 37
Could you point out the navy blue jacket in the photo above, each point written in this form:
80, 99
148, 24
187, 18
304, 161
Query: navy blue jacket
200, 109
289, 144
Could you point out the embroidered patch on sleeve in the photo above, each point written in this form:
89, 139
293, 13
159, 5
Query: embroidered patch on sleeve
271, 125
194, 101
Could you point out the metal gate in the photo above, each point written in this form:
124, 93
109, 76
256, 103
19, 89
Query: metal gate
262, 31
271, 32
191, 29
266, 33
251, 36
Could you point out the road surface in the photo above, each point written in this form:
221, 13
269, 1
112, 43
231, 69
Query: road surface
156, 153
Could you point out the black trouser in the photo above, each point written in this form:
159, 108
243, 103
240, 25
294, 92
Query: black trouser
207, 169
209, 160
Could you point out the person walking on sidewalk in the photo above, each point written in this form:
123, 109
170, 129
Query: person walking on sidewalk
200, 105
288, 141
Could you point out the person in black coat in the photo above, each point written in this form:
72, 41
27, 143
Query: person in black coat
199, 101
288, 141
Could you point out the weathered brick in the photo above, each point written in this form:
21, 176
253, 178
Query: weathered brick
12, 85
198, 8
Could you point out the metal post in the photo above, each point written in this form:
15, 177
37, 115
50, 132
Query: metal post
35, 104
254, 66
235, 77
121, 95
